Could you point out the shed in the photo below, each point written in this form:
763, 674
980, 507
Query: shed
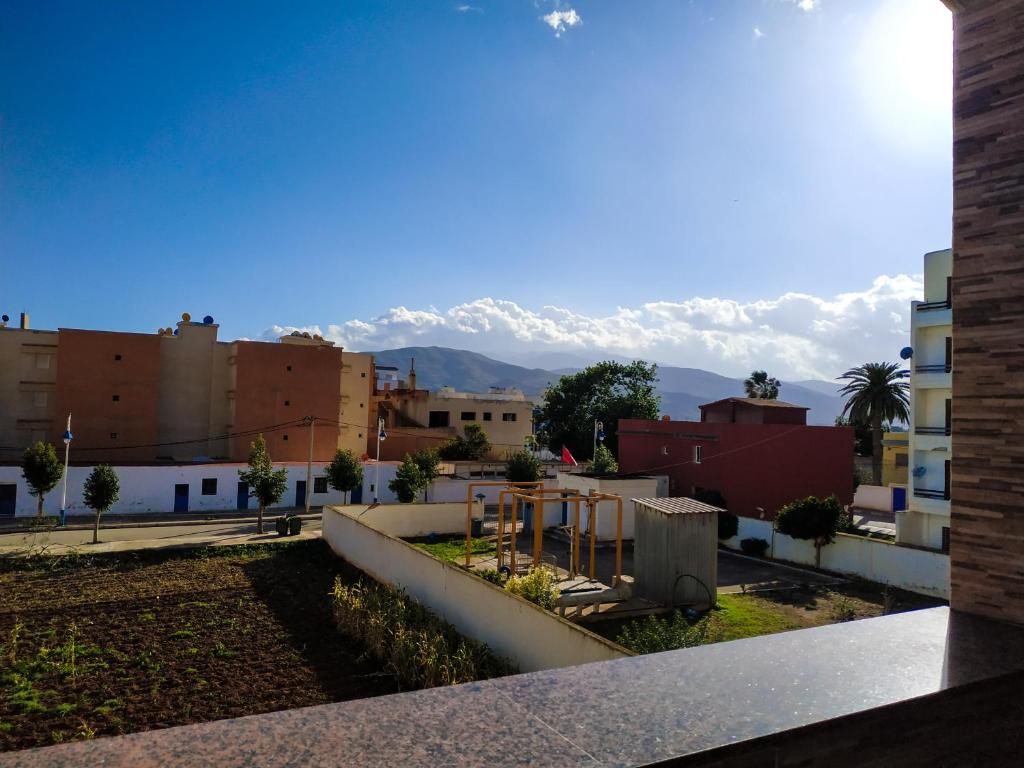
675, 554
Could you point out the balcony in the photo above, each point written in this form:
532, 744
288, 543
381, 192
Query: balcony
933, 376
932, 430
928, 493
931, 306
932, 439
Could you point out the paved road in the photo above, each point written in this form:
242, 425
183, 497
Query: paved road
122, 539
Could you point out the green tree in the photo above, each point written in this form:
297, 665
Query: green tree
876, 393
861, 434
266, 484
102, 489
604, 392
812, 518
728, 523
42, 471
429, 462
762, 386
523, 467
408, 480
604, 462
473, 447
344, 473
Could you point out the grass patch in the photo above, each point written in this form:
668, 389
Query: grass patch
742, 616
454, 549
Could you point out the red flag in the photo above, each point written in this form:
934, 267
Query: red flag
567, 457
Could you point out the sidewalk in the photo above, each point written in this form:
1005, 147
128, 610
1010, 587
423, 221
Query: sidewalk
154, 520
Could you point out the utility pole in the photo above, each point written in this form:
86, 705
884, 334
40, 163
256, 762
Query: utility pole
309, 465
376, 467
67, 451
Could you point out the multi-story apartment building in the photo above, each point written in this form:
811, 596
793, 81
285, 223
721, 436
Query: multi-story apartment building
180, 394
926, 521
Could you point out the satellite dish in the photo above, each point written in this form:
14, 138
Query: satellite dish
5, 318
186, 317
919, 471
906, 353
208, 320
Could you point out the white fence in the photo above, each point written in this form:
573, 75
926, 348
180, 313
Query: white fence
876, 497
915, 570
532, 638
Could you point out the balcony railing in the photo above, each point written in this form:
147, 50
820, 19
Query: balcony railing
927, 493
936, 368
924, 306
932, 431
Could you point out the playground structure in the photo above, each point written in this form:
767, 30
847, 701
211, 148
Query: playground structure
534, 493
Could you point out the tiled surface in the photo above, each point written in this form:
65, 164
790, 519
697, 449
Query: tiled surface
623, 713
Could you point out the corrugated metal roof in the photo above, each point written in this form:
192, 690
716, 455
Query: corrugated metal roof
678, 506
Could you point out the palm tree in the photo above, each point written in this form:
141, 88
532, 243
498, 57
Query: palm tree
876, 392
762, 386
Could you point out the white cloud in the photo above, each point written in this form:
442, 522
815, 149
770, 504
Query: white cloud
469, 9
807, 5
758, 34
795, 335
562, 20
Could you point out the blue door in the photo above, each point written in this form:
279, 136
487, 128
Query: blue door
243, 495
8, 499
181, 497
356, 497
300, 493
899, 499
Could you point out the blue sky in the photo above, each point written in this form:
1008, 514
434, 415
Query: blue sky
658, 178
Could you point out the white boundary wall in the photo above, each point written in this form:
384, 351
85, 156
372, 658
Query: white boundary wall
150, 489
532, 638
915, 570
414, 520
876, 497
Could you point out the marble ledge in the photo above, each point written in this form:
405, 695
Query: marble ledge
629, 712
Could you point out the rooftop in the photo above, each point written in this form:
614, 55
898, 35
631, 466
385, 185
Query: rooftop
757, 402
678, 506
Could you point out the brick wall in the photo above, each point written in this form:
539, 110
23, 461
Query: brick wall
987, 542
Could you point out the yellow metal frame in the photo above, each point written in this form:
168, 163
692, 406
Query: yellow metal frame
469, 504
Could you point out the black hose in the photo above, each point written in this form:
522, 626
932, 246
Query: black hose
711, 601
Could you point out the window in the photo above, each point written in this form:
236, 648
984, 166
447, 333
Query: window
664, 450
508, 417
439, 419
287, 402
115, 398
117, 358
284, 437
319, 485
287, 367
42, 361
902, 460
698, 453
39, 399
468, 416
945, 538
362, 375
113, 435
209, 486
487, 415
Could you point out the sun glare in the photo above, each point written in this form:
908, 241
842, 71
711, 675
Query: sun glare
905, 69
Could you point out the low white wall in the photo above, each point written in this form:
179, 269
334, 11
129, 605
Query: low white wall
915, 570
150, 489
414, 520
877, 497
534, 639
628, 488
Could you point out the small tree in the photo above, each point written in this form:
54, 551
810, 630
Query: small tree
102, 489
604, 462
408, 480
266, 484
42, 471
812, 518
428, 460
762, 386
523, 467
472, 447
344, 473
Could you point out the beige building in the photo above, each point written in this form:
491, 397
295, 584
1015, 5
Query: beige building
28, 384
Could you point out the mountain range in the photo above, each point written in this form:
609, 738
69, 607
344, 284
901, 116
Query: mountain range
682, 390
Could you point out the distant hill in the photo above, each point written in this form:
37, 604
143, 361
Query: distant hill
682, 390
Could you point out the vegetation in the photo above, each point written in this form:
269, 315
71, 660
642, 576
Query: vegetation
42, 471
607, 392
102, 489
473, 447
345, 472
604, 462
728, 523
753, 547
408, 480
861, 434
418, 648
812, 518
266, 484
876, 393
523, 467
654, 634
762, 386
429, 462
454, 549
538, 586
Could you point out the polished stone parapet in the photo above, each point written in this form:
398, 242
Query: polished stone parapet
913, 681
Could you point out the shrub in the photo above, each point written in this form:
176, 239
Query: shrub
523, 467
604, 462
754, 547
538, 586
654, 634
491, 575
420, 649
728, 525
812, 518
472, 447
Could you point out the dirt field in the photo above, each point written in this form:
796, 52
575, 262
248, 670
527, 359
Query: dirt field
120, 643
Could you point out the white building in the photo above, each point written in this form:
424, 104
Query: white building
926, 521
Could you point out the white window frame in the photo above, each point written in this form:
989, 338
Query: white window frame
698, 453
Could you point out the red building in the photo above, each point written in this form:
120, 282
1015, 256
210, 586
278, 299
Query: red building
759, 454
